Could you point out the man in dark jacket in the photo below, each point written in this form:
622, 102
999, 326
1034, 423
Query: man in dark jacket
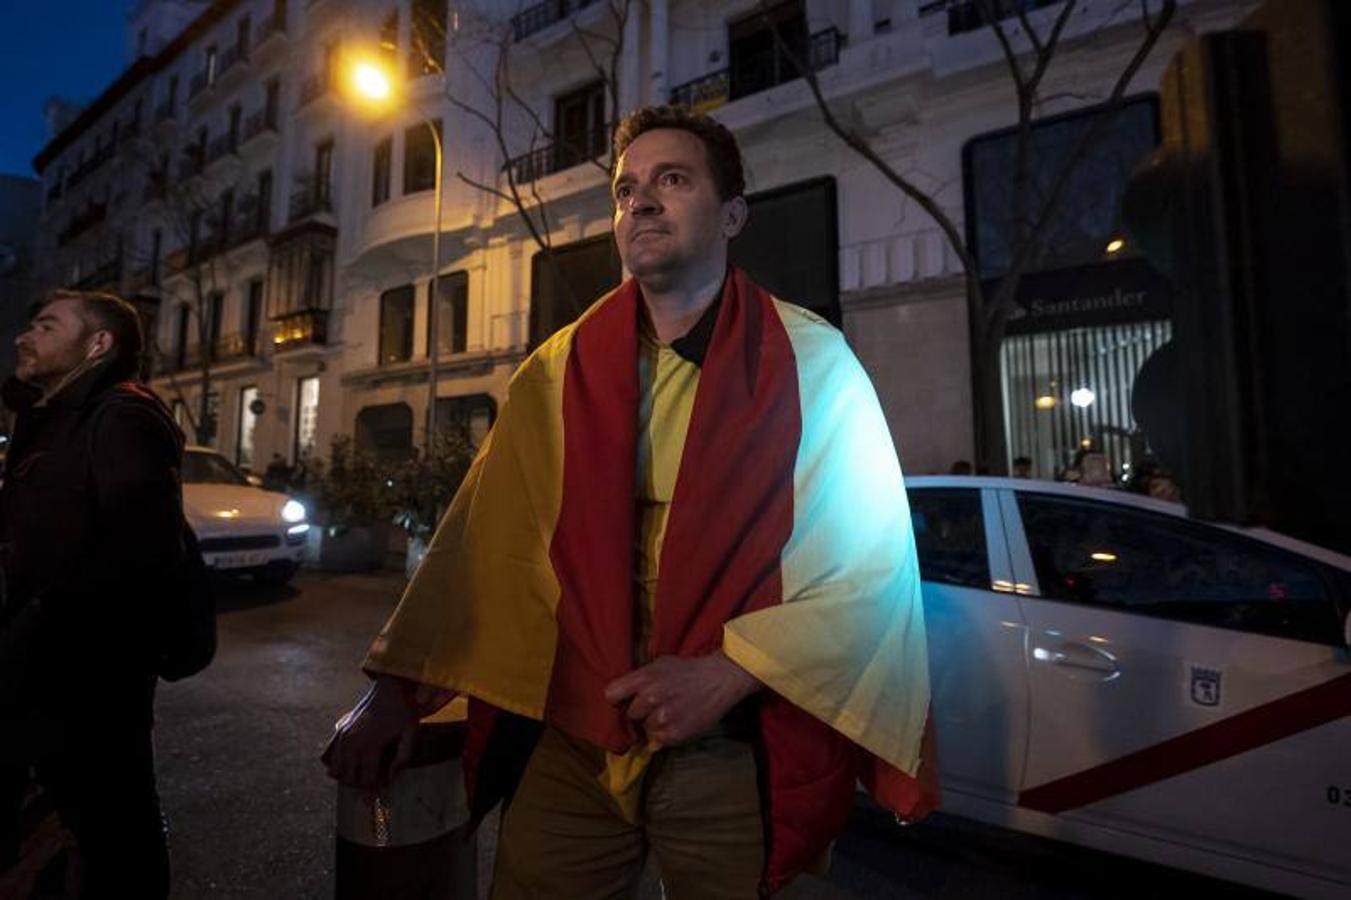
90, 529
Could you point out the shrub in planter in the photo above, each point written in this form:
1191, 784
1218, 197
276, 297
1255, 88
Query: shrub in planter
421, 487
350, 497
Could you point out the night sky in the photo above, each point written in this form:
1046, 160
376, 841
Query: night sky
71, 48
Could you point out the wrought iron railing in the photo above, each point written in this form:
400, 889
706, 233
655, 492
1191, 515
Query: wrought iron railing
715, 88
559, 155
260, 122
198, 84
82, 221
309, 200
295, 329
270, 27
314, 87
542, 15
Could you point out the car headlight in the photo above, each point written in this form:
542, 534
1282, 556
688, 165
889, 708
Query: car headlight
293, 511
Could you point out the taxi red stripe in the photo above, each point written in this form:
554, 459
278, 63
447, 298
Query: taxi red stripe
1237, 734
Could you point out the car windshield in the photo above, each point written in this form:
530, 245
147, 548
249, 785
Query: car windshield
209, 468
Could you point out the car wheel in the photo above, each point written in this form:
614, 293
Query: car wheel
275, 574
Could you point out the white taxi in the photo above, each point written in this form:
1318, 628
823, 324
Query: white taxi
241, 528
1109, 672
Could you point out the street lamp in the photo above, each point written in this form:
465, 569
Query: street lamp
373, 85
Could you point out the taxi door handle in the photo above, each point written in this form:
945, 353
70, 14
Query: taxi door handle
1081, 656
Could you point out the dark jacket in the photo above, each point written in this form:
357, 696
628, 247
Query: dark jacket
90, 525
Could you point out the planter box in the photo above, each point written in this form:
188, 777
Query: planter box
357, 548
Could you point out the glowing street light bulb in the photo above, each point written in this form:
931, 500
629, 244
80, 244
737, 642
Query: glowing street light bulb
1115, 245
1083, 397
370, 82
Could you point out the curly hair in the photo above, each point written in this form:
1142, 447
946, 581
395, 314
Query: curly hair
724, 157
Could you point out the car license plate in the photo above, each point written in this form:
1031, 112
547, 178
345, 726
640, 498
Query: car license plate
239, 560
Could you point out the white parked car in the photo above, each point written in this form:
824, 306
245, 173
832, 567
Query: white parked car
1109, 672
240, 527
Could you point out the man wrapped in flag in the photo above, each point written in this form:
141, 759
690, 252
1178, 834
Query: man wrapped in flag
678, 586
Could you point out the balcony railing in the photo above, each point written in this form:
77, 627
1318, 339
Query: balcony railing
261, 122
314, 87
558, 156
106, 276
972, 15
91, 165
221, 147
714, 89
273, 26
80, 222
542, 15
230, 348
296, 329
230, 57
310, 200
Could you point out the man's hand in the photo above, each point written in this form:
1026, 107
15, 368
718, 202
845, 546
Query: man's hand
374, 741
676, 698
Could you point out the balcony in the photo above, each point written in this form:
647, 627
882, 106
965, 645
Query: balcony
198, 86
228, 349
542, 15
309, 200
80, 222
194, 160
972, 15
558, 156
107, 276
250, 221
315, 87
233, 61
260, 124
714, 89
91, 165
300, 328
271, 34
221, 147
165, 113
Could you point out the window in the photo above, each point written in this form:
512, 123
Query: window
323, 171
386, 431
248, 421
211, 64
307, 416
419, 158
242, 37
227, 213
253, 316
380, 165
1143, 562
209, 432
1086, 219
232, 133
579, 126
272, 102
216, 309
264, 211
396, 324
561, 289
475, 413
181, 344
949, 530
803, 216
755, 60
427, 41
452, 312
389, 36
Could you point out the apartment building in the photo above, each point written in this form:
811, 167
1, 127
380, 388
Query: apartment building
269, 225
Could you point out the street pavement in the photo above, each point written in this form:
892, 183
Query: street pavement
251, 809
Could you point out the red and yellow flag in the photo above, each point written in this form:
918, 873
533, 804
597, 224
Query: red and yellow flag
788, 545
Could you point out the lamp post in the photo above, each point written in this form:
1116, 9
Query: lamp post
374, 85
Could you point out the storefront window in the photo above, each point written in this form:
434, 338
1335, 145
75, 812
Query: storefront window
248, 420
307, 415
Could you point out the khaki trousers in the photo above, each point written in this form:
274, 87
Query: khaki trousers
563, 835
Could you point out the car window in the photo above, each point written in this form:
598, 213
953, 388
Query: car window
210, 468
1097, 553
950, 536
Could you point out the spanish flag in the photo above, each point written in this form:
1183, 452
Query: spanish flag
788, 546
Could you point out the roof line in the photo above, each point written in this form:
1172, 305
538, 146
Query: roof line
137, 71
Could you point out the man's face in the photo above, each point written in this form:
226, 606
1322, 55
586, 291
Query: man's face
668, 216
53, 344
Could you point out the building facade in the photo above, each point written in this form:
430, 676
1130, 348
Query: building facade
277, 233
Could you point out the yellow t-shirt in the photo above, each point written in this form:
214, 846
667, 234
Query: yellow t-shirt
667, 383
